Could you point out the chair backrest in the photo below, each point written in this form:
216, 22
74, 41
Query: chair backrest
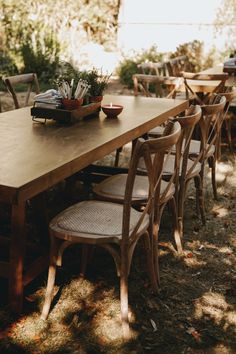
199, 87
211, 122
188, 122
176, 65
153, 153
150, 68
230, 95
162, 86
30, 80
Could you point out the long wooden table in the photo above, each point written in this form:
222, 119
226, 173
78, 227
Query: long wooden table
35, 156
218, 69
199, 86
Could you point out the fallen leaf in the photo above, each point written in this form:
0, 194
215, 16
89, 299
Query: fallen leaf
189, 255
194, 333
154, 326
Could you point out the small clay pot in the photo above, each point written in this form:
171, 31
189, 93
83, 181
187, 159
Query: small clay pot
71, 104
95, 99
112, 111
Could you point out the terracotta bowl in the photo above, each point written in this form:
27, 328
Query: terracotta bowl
112, 111
70, 104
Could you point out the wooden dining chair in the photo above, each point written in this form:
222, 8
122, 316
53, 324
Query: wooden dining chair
188, 170
115, 227
163, 86
178, 64
29, 80
113, 189
198, 87
230, 96
209, 129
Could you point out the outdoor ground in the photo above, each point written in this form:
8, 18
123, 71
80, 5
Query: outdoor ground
194, 312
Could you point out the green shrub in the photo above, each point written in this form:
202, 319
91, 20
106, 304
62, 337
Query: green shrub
7, 64
129, 66
194, 51
42, 57
126, 70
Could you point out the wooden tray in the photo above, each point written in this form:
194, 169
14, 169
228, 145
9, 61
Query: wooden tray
64, 116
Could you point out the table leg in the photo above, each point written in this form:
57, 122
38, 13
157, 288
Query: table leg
17, 251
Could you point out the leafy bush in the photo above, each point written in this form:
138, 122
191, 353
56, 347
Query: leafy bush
129, 66
42, 57
7, 64
126, 70
194, 51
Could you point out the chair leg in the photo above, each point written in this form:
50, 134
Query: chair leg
228, 126
51, 278
180, 207
155, 250
200, 197
150, 264
177, 233
124, 307
212, 165
117, 157
86, 255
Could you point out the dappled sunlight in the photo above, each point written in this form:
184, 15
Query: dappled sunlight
193, 262
226, 250
220, 211
215, 307
84, 310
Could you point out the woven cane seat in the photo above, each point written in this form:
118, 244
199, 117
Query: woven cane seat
113, 188
94, 220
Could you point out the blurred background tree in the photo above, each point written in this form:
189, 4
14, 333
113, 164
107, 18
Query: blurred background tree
36, 34
226, 21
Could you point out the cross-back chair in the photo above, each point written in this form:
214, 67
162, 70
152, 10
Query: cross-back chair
150, 68
230, 96
163, 86
113, 226
113, 189
30, 80
209, 129
188, 169
176, 65
198, 87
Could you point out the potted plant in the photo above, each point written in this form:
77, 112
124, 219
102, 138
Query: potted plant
71, 86
94, 79
98, 83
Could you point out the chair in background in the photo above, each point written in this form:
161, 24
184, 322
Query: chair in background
150, 68
178, 64
198, 87
30, 80
115, 227
163, 86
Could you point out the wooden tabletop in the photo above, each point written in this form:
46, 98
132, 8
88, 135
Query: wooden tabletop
36, 156
218, 69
